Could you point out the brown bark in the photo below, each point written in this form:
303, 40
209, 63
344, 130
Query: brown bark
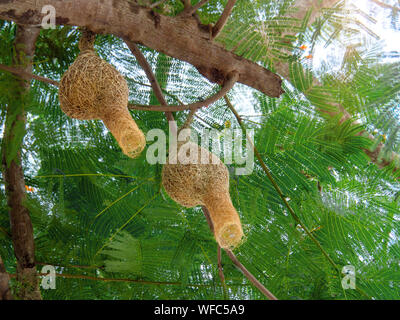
179, 37
21, 225
193, 106
141, 59
223, 19
26, 75
5, 290
303, 6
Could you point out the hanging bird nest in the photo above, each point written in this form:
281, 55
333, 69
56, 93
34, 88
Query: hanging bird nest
192, 182
93, 89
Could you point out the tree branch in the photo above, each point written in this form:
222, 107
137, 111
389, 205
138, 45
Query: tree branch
189, 119
27, 75
386, 6
180, 37
156, 4
189, 10
21, 225
237, 263
281, 67
68, 265
249, 276
231, 80
220, 270
153, 81
199, 5
146, 282
227, 86
85, 277
5, 290
223, 19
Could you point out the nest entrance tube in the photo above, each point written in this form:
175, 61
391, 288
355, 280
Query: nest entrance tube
93, 89
227, 227
192, 183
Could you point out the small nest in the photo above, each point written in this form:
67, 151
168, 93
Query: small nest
193, 183
93, 89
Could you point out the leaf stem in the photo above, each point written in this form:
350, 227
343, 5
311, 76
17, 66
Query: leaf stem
279, 191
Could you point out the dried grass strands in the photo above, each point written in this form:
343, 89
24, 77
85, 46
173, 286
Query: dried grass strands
190, 183
93, 89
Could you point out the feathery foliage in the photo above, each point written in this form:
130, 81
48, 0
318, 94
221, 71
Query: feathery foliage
98, 214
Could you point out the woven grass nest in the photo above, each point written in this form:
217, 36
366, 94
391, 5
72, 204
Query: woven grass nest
192, 183
93, 89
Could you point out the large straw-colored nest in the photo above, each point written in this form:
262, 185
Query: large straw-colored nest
194, 182
93, 89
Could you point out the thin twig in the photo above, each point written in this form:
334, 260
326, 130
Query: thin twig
242, 268
55, 83
223, 19
249, 276
198, 5
84, 277
231, 80
69, 265
189, 119
221, 271
156, 4
279, 191
153, 81
190, 10
386, 6
27, 75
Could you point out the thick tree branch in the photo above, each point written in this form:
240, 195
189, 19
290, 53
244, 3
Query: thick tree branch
231, 80
223, 19
5, 290
180, 37
21, 225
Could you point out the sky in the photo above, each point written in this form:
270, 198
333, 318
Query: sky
381, 25
379, 21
